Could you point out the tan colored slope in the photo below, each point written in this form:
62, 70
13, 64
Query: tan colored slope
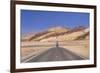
73, 36
68, 36
87, 37
60, 34
45, 34
52, 32
33, 36
26, 37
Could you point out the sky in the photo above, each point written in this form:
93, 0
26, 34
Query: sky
36, 21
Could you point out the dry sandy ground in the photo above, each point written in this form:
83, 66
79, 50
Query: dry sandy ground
80, 47
34, 48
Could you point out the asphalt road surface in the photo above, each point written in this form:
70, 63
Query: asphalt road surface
55, 54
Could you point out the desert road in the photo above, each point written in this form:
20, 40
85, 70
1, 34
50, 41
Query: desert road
55, 54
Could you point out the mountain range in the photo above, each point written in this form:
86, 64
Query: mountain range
59, 34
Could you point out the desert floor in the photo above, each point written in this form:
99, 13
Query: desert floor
79, 47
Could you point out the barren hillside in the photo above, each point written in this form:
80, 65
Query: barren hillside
59, 34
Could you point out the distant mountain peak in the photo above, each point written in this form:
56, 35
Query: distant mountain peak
58, 28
